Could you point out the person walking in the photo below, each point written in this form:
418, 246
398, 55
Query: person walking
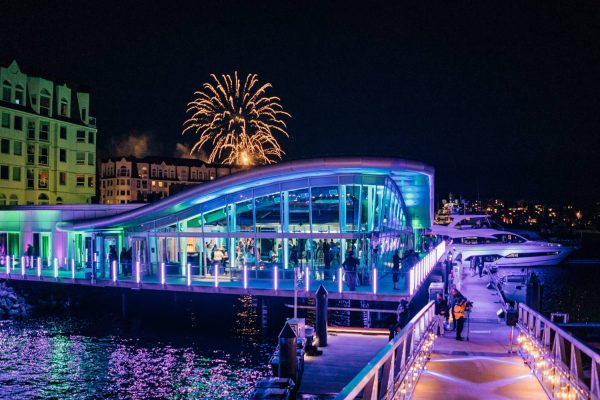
396, 260
441, 312
350, 268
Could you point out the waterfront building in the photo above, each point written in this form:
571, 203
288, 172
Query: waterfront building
47, 141
130, 179
308, 214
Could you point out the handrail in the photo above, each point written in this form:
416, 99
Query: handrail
399, 363
421, 270
557, 358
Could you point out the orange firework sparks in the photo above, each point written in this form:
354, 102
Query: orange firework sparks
237, 123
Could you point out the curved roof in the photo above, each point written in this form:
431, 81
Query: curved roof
414, 180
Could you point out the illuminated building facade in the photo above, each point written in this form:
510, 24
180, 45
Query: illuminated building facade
306, 213
47, 141
130, 179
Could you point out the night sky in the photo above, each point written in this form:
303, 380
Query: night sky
501, 101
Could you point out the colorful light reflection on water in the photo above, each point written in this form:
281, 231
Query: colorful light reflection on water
47, 358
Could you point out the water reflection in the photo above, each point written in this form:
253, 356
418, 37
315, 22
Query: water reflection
48, 358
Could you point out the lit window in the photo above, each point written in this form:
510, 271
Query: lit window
19, 95
43, 179
160, 184
153, 183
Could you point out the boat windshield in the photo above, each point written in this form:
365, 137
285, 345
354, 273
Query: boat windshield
474, 223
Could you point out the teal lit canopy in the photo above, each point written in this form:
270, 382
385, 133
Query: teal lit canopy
413, 180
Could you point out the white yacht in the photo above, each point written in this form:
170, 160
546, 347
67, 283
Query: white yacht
479, 236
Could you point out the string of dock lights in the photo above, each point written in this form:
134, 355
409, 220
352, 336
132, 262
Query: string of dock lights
555, 380
418, 365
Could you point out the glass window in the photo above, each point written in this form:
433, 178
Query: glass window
17, 148
91, 182
215, 220
3, 171
44, 130
6, 91
80, 136
244, 216
43, 157
91, 137
63, 132
5, 146
80, 180
31, 130
19, 95
5, 120
59, 200
268, 213
64, 107
325, 209
62, 155
45, 102
18, 123
90, 158
14, 201
62, 178
16, 174
298, 210
30, 154
80, 158
30, 178
351, 207
43, 179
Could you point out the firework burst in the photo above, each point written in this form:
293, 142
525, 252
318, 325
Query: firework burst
236, 123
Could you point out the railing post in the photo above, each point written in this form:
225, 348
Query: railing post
387, 379
595, 381
575, 367
370, 392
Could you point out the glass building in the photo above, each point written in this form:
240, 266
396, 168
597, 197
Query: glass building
308, 214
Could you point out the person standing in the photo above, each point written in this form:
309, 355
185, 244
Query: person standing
402, 313
350, 267
396, 260
459, 308
441, 312
327, 259
123, 260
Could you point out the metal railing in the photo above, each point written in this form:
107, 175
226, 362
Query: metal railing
394, 371
566, 367
421, 270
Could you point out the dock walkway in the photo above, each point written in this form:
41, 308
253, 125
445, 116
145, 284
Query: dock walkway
480, 368
343, 358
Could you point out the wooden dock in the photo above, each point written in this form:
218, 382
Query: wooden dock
343, 358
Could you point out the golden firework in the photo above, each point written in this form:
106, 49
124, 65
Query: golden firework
237, 123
